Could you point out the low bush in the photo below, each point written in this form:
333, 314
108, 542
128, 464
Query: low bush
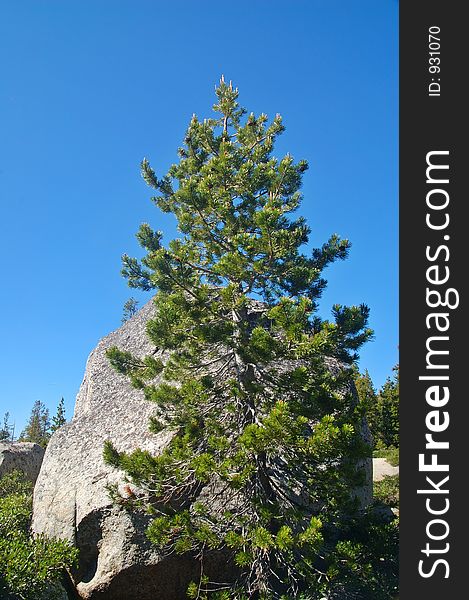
30, 567
387, 490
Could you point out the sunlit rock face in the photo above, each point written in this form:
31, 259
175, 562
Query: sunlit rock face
71, 499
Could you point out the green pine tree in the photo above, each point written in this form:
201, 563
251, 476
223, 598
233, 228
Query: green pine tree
381, 409
369, 401
38, 428
6, 430
59, 418
247, 375
388, 409
130, 308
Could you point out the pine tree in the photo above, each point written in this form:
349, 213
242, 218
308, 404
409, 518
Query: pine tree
381, 409
38, 428
130, 308
369, 401
388, 408
245, 373
59, 418
6, 430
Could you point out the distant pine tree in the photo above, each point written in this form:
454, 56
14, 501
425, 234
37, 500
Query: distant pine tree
130, 308
368, 401
388, 410
7, 429
59, 418
381, 408
38, 428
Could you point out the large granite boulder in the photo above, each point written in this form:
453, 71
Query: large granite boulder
71, 498
21, 456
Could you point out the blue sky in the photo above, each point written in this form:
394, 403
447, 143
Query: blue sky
88, 88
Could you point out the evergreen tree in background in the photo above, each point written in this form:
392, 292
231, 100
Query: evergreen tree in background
251, 380
388, 410
381, 409
6, 432
130, 308
38, 428
59, 418
368, 400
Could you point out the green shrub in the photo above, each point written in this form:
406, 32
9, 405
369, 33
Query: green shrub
30, 567
15, 515
365, 563
390, 453
387, 490
15, 483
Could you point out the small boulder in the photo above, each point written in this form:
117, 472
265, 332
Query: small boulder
21, 456
381, 468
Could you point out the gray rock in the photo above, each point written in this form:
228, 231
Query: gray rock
71, 498
21, 456
382, 468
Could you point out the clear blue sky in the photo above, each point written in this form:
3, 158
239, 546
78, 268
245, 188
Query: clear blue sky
88, 88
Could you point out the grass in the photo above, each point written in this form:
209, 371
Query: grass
391, 454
